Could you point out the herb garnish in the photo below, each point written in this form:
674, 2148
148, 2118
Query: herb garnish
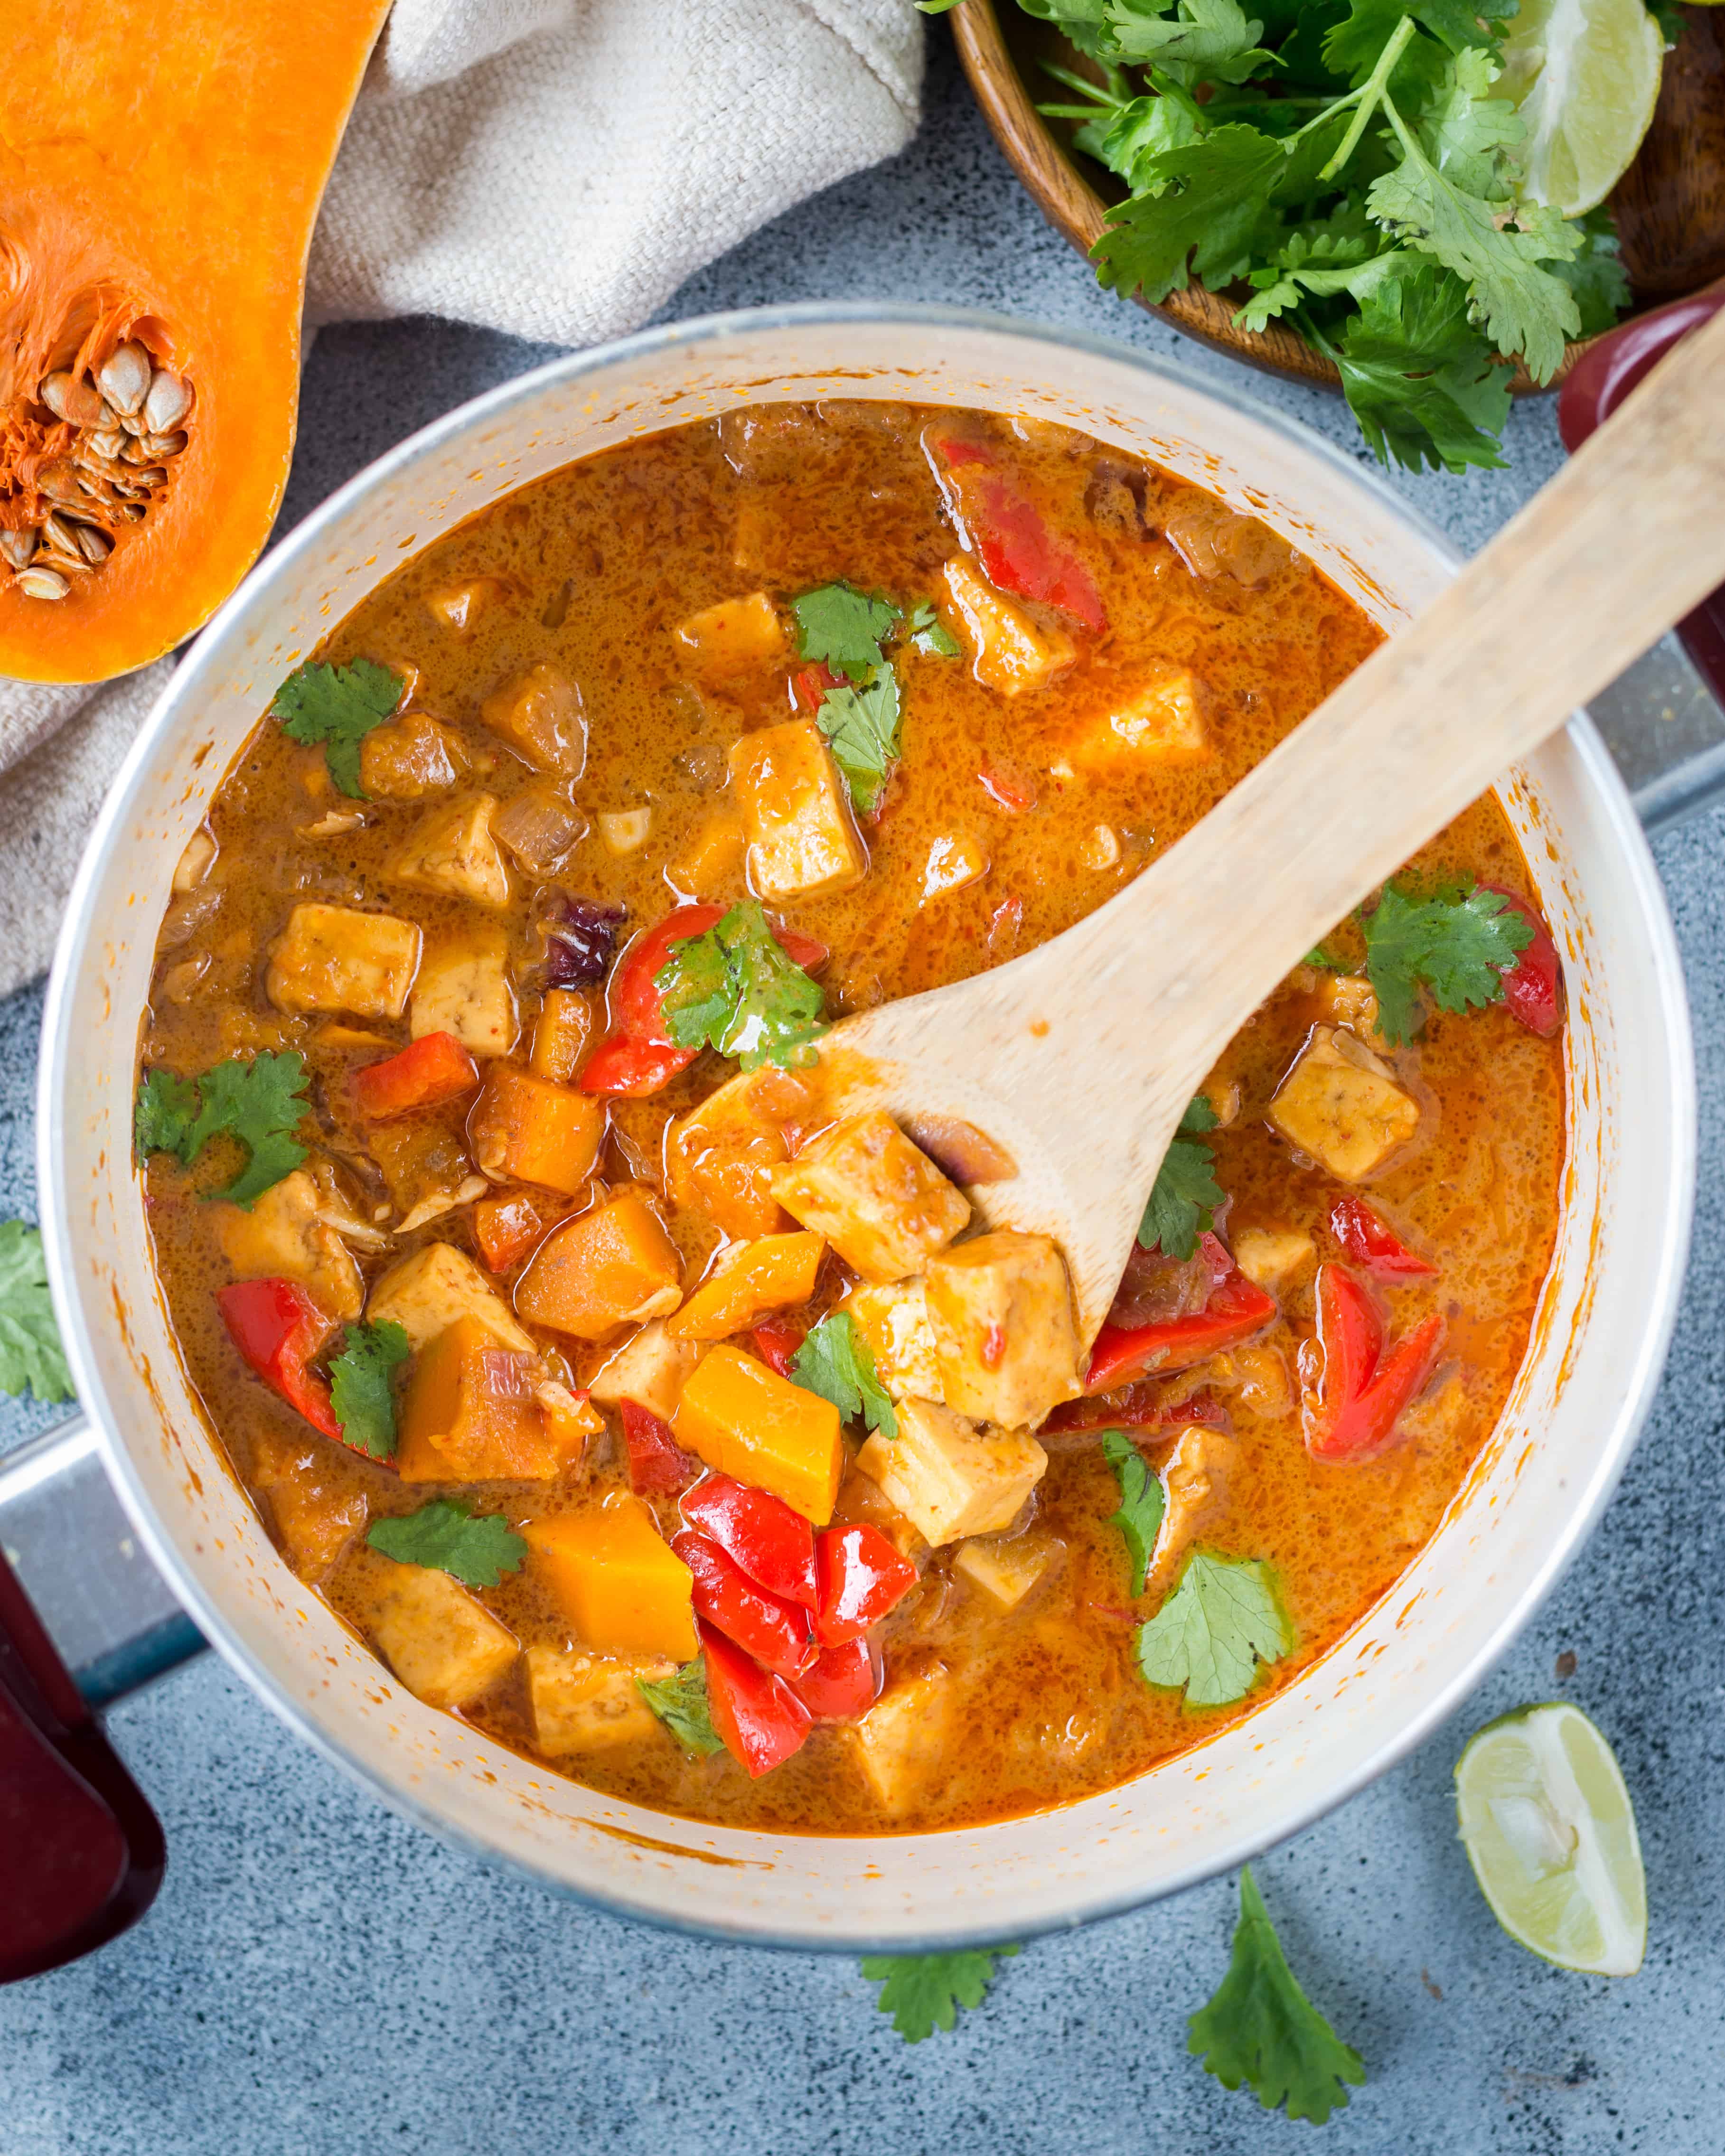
1141, 1502
259, 1103
681, 1702
845, 628
1186, 1194
836, 1363
477, 1548
923, 1992
734, 988
1457, 947
337, 706
360, 1387
30, 1350
1222, 1620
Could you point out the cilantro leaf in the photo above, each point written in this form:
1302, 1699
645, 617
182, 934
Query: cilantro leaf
1595, 273
1141, 1502
1082, 22
862, 725
734, 988
930, 634
1351, 47
1260, 2027
337, 706
838, 1364
681, 1702
258, 1102
477, 1548
1222, 1620
30, 1350
844, 627
360, 1388
166, 1109
1457, 947
1418, 377
923, 1992
1204, 41
1186, 1193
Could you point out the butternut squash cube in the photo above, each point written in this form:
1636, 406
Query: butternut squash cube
1342, 1106
622, 1587
721, 1156
442, 1642
1161, 723
900, 1742
734, 637
614, 1266
471, 1413
332, 959
581, 1704
894, 1322
1274, 1259
463, 988
284, 1238
1005, 1341
710, 866
796, 815
650, 1367
451, 850
564, 1026
745, 1421
946, 1478
524, 1129
1005, 1568
1009, 651
777, 1272
539, 715
426, 1292
317, 1512
878, 1199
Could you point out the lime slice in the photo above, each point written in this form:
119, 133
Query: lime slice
1585, 75
1550, 1832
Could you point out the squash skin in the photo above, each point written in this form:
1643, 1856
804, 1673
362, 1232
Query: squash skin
160, 172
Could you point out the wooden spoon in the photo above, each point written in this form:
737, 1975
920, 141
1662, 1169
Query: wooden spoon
1079, 1059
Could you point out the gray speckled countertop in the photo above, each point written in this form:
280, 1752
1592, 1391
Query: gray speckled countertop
318, 1978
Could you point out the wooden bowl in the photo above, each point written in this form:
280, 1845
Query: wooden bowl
1670, 206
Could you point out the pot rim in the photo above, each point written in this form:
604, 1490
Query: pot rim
180, 696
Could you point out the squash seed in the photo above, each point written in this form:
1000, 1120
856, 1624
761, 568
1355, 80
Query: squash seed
74, 400
168, 402
163, 445
39, 583
123, 377
94, 545
108, 444
18, 547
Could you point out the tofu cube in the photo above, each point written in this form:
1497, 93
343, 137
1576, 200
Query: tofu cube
650, 1367
459, 606
442, 1642
451, 851
1009, 651
317, 1513
721, 1156
1349, 999
1340, 1105
583, 1704
745, 1421
1274, 1259
283, 1237
1195, 1479
610, 1267
894, 1322
946, 1478
735, 637
425, 1292
624, 831
540, 717
796, 815
621, 1586
409, 757
1161, 723
463, 988
955, 858
902, 1739
1005, 1341
1004, 1567
332, 959
710, 866
878, 1199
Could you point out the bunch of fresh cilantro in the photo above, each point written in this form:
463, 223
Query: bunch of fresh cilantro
1346, 163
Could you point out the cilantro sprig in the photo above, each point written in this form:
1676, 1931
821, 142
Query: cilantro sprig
1261, 2029
261, 1102
862, 730
30, 1350
1455, 948
681, 1702
477, 1549
844, 629
734, 988
1141, 1502
838, 1364
1186, 1194
337, 706
360, 1387
923, 1992
1224, 1620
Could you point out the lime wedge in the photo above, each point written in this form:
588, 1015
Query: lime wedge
1585, 76
1550, 1832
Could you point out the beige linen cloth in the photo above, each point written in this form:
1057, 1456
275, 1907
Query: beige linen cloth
555, 168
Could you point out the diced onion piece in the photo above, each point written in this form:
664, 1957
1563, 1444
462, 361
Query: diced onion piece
624, 831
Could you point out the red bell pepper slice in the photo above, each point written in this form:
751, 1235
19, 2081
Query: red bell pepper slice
774, 1545
774, 1631
658, 1465
1534, 987
638, 1055
1361, 1393
861, 1576
436, 1067
810, 684
841, 1683
1005, 530
278, 1328
760, 1718
1368, 1239
1237, 1308
777, 1342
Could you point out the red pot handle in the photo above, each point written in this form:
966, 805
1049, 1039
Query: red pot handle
1592, 392
81, 1853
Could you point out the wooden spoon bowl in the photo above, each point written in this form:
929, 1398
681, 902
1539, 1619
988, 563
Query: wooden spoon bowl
1670, 206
